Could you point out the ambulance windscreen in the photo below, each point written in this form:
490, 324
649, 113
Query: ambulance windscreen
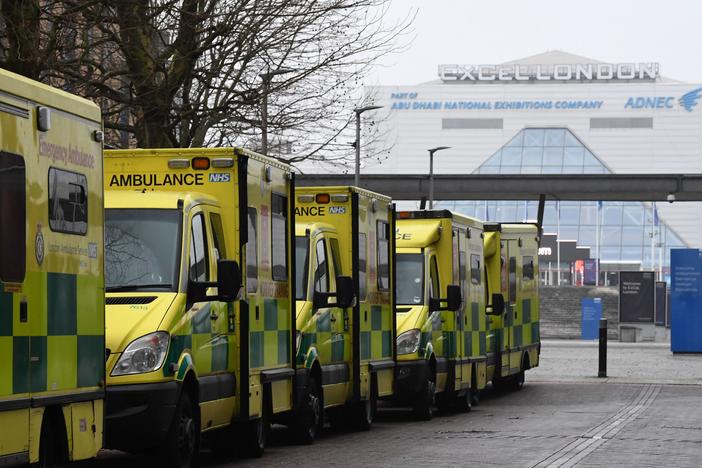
142, 249
410, 279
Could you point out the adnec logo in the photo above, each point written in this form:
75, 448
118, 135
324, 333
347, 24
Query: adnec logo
687, 101
690, 100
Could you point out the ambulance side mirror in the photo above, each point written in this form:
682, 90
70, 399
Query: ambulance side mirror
453, 300
345, 296
453, 297
228, 280
497, 307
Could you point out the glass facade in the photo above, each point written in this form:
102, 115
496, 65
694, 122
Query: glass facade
625, 228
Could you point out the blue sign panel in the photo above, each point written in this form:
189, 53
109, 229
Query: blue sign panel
686, 301
591, 315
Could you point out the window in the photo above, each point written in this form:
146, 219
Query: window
475, 269
279, 235
434, 286
456, 250
410, 279
383, 256
68, 202
252, 252
199, 264
362, 256
321, 272
336, 256
142, 249
528, 268
220, 249
512, 279
13, 218
302, 258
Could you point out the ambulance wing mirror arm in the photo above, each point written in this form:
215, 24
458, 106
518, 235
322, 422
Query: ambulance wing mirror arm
453, 300
228, 284
344, 294
497, 306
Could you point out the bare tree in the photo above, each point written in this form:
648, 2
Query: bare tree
181, 73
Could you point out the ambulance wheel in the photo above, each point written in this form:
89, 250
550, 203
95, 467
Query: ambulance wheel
50, 453
309, 421
182, 440
464, 402
474, 396
517, 381
255, 433
365, 413
423, 408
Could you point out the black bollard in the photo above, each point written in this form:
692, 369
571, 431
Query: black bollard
602, 372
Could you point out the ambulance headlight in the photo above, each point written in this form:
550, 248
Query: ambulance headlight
145, 354
298, 341
408, 342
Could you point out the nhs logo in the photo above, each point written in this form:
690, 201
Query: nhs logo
219, 177
337, 210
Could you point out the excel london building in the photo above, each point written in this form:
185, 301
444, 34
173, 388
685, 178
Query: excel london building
557, 113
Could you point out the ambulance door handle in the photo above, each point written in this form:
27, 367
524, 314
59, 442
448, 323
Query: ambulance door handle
214, 316
332, 317
23, 315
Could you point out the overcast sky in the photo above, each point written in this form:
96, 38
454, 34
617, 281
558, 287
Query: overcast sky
495, 31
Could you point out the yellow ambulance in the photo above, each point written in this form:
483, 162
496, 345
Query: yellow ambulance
441, 325
344, 250
51, 275
191, 352
512, 276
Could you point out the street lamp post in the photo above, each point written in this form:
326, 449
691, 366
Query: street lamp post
267, 78
431, 173
359, 111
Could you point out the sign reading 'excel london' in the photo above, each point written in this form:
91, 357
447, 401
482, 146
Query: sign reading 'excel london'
560, 72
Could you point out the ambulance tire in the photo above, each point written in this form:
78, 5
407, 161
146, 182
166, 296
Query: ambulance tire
181, 445
474, 396
517, 381
474, 392
310, 420
423, 407
52, 435
463, 402
255, 435
365, 412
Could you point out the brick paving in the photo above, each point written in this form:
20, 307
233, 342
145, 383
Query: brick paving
645, 414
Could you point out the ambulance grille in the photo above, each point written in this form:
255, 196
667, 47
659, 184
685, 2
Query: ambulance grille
130, 300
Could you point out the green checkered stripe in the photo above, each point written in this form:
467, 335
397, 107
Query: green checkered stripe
318, 333
61, 349
269, 333
211, 350
376, 332
475, 336
526, 332
443, 341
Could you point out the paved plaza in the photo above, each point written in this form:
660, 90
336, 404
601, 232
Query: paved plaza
646, 413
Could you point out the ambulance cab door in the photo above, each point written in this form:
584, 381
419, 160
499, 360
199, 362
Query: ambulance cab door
341, 319
202, 313
222, 314
15, 305
511, 301
321, 283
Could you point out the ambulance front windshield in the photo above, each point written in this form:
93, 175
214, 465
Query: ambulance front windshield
410, 279
142, 249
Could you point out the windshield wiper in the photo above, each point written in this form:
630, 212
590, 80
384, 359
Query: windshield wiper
136, 287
